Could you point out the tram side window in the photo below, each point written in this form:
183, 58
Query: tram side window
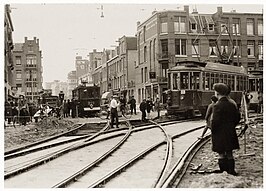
240, 83
175, 81
184, 80
221, 78
225, 78
194, 80
212, 81
203, 80
216, 78
207, 81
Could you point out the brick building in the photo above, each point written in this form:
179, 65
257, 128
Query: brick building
28, 68
171, 36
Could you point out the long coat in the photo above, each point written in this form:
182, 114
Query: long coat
224, 120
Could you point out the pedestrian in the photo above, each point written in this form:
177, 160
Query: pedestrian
149, 106
248, 97
224, 120
65, 108
68, 108
113, 108
132, 103
208, 115
73, 108
157, 107
123, 102
143, 108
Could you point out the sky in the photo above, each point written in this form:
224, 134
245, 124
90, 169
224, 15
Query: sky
66, 29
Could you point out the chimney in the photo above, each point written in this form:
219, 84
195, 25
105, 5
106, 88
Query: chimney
220, 10
26, 38
37, 41
186, 8
34, 38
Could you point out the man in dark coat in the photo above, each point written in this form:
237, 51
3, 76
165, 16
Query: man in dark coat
224, 120
132, 103
143, 108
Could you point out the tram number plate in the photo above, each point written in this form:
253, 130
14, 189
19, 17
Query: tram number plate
183, 92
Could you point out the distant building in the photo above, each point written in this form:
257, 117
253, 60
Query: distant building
56, 86
95, 59
82, 66
72, 83
28, 68
9, 63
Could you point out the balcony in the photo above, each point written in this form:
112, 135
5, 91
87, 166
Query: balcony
162, 57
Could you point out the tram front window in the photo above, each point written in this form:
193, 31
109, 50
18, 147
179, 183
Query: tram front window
194, 80
184, 78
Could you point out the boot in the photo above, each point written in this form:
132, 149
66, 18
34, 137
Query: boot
231, 167
223, 164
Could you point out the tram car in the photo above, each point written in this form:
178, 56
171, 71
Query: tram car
191, 83
88, 100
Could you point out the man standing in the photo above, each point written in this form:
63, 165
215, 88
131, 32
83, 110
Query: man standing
113, 108
224, 120
132, 103
143, 108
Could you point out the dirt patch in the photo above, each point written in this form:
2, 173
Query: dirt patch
249, 165
21, 135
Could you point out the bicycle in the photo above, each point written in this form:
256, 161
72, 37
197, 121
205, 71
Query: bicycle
126, 112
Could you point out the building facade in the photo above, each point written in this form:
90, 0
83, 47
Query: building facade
8, 45
28, 68
71, 83
168, 37
95, 59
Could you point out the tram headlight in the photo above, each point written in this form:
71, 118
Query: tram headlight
182, 97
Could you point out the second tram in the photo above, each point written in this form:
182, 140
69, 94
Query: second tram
88, 100
191, 83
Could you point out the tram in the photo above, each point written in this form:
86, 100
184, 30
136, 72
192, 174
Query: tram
191, 82
88, 100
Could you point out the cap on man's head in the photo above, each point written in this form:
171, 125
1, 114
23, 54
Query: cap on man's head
221, 88
115, 96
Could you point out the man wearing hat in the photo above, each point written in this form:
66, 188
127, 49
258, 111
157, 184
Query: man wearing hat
224, 120
113, 108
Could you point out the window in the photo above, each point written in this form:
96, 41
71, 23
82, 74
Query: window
180, 47
144, 33
184, 80
251, 66
193, 26
195, 47
180, 25
31, 60
260, 50
18, 75
260, 27
164, 28
164, 44
224, 47
236, 26
237, 50
145, 54
250, 46
211, 27
212, 48
146, 74
250, 27
18, 60
142, 75
224, 26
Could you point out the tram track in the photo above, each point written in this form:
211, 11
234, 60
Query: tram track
23, 160
74, 176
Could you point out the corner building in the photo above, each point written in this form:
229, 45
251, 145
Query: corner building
168, 37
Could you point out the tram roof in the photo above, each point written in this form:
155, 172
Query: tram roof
209, 66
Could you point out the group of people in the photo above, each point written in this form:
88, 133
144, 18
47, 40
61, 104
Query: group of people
222, 116
69, 108
19, 111
146, 106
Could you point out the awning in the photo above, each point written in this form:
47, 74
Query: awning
106, 95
